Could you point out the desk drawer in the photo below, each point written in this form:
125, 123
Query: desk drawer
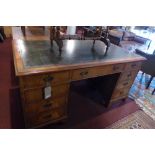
133, 66
128, 75
42, 79
118, 93
37, 95
124, 84
47, 116
96, 71
109, 69
45, 105
83, 73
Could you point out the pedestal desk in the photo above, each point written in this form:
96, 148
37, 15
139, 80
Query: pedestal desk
39, 66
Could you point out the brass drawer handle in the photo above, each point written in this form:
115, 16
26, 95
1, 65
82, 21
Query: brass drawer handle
48, 78
126, 83
84, 73
47, 116
121, 92
116, 68
129, 75
47, 105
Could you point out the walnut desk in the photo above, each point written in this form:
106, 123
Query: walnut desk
39, 66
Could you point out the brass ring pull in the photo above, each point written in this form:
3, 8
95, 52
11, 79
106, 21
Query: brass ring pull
84, 73
121, 92
126, 83
48, 78
129, 75
115, 68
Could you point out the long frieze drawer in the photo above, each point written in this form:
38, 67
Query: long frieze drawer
45, 105
128, 75
37, 95
133, 66
118, 93
83, 73
96, 71
45, 117
43, 79
109, 69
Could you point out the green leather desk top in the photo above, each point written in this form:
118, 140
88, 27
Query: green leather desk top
40, 53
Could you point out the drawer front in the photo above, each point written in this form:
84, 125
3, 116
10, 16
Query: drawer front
43, 79
118, 68
96, 71
47, 116
128, 75
33, 96
124, 84
133, 66
120, 93
83, 73
45, 105
109, 69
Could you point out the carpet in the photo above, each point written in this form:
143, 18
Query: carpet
142, 96
136, 120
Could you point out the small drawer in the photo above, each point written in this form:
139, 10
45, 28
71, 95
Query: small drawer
124, 84
83, 73
43, 79
33, 96
45, 105
47, 116
128, 75
120, 92
118, 68
105, 70
133, 66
